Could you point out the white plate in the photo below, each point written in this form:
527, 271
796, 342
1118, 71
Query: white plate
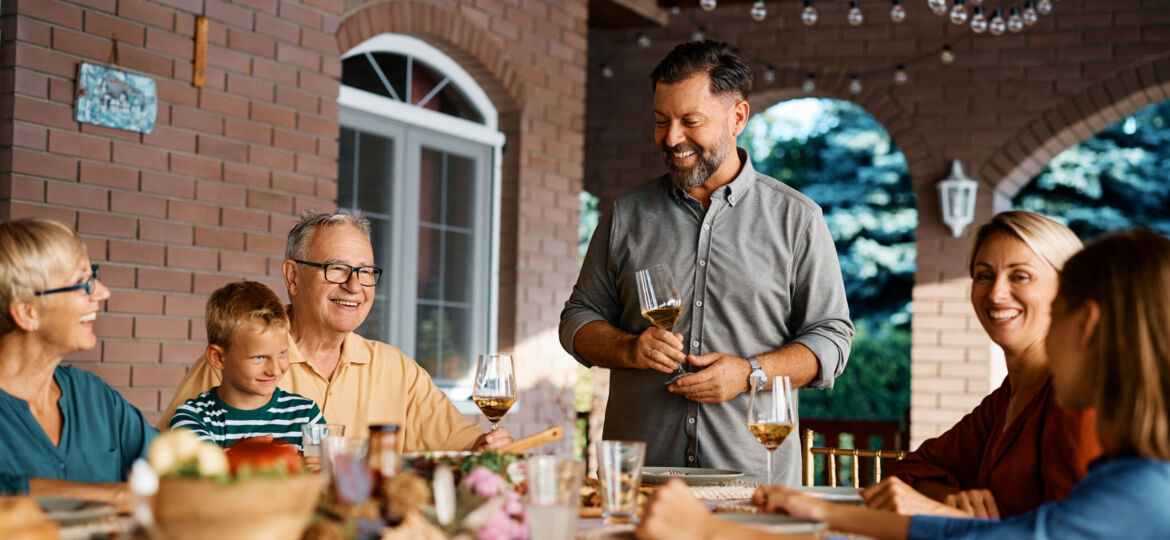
691, 475
66, 511
846, 495
776, 523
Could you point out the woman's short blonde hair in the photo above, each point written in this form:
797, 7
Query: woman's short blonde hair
1128, 275
1047, 238
33, 251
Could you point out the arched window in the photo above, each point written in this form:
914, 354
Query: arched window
419, 155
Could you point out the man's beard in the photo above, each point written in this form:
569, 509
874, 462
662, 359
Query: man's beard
694, 177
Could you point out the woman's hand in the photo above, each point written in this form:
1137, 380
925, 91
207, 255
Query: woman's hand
785, 500
671, 512
493, 439
978, 503
894, 495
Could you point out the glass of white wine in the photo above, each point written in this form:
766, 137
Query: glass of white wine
495, 386
660, 302
770, 415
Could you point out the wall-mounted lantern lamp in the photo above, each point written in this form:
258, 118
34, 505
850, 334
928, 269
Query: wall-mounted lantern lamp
956, 196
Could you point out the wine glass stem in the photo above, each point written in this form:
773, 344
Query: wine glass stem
494, 424
769, 467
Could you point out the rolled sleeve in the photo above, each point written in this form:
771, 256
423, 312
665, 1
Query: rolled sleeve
594, 297
820, 308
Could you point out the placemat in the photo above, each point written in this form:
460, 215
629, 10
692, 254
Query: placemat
725, 492
106, 526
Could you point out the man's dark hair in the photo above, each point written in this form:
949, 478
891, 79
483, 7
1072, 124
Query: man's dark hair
728, 70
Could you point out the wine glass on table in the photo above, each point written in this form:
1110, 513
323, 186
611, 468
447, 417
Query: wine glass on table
495, 386
660, 302
770, 415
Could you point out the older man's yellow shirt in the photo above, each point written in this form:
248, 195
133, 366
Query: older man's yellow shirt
373, 383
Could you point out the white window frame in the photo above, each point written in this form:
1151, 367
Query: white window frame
373, 113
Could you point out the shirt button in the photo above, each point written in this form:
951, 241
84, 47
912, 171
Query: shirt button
706, 226
691, 420
691, 459
698, 303
731, 200
695, 343
702, 262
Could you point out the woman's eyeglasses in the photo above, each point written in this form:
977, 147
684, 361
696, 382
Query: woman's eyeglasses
87, 285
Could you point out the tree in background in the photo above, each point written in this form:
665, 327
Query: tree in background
841, 157
1113, 180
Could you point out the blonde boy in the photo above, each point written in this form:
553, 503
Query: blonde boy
247, 334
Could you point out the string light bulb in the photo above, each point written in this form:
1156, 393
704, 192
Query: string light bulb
939, 7
700, 34
810, 83
643, 40
996, 25
959, 12
1030, 15
978, 20
759, 12
808, 15
900, 76
770, 74
1015, 22
947, 56
707, 5
855, 17
855, 85
1044, 7
897, 12
606, 71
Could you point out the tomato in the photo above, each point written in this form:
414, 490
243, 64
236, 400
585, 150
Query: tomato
264, 455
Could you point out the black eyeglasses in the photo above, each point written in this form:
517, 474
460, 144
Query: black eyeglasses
87, 286
339, 273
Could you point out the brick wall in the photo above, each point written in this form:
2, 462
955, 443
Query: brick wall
210, 194
1006, 106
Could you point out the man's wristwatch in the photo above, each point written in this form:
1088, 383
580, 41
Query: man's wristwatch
757, 378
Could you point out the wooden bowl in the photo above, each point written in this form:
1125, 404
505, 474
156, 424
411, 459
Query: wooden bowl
253, 509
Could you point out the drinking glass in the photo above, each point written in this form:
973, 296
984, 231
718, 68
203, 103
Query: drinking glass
554, 492
495, 386
620, 472
660, 302
770, 415
313, 434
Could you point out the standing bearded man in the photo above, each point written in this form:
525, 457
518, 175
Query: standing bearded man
755, 264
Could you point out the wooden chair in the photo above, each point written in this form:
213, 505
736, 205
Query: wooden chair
861, 430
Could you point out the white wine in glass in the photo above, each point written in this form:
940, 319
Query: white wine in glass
495, 386
770, 416
660, 302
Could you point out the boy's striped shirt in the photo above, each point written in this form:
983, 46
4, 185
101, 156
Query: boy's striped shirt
215, 421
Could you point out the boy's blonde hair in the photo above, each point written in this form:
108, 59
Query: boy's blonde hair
1128, 275
33, 251
239, 304
1047, 238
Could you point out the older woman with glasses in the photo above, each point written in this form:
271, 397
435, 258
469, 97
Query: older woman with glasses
65, 432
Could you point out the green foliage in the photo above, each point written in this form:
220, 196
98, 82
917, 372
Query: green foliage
876, 383
1113, 180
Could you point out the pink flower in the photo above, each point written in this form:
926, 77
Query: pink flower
483, 481
513, 504
498, 527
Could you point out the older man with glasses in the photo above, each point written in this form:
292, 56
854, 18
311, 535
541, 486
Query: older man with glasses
330, 275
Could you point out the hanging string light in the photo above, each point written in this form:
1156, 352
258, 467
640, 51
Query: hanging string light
897, 12
959, 12
947, 56
855, 84
996, 25
700, 34
900, 76
855, 17
1044, 7
759, 12
642, 40
808, 15
770, 74
674, 8
939, 7
1030, 15
810, 83
707, 5
1015, 22
606, 71
978, 21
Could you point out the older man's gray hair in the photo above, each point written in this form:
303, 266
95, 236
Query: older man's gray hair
298, 237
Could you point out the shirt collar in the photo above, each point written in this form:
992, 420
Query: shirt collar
733, 191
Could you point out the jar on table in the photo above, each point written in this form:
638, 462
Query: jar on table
383, 457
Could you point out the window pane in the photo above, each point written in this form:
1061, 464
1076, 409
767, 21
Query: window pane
374, 327
345, 166
457, 267
429, 263
357, 72
452, 102
375, 170
459, 360
459, 191
430, 334
431, 188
